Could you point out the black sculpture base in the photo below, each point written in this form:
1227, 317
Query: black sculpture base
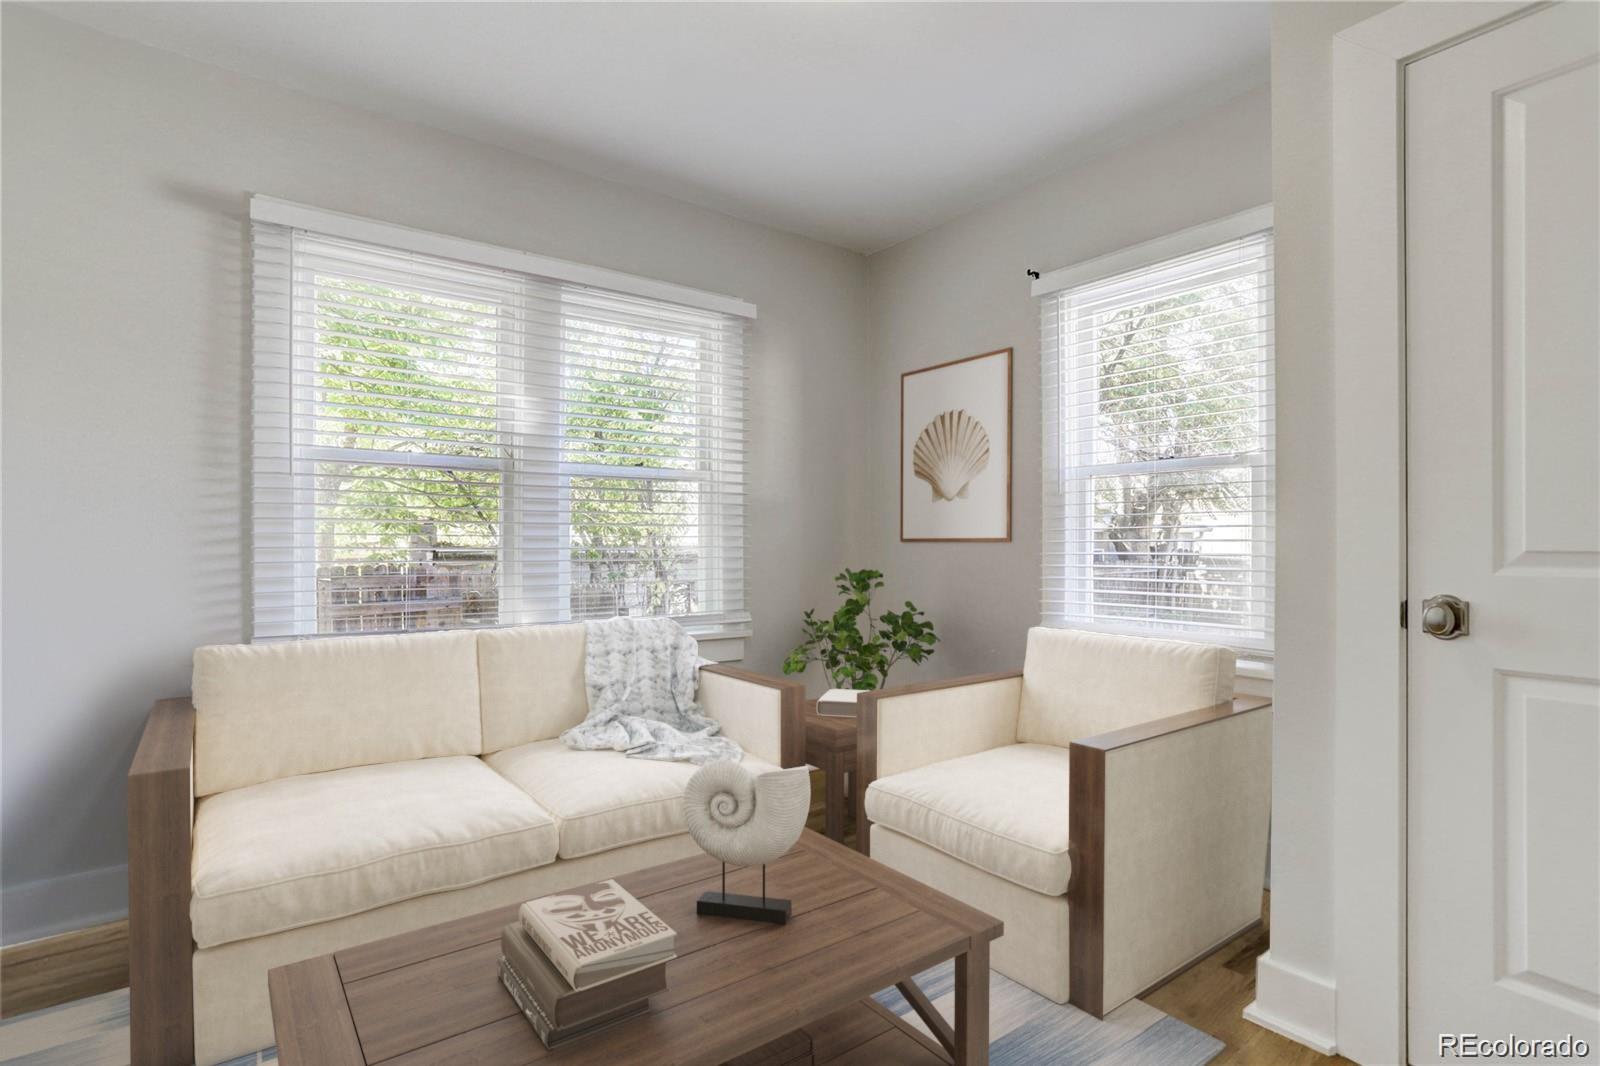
750, 908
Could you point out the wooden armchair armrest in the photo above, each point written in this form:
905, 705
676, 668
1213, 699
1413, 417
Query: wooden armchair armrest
764, 714
1192, 792
962, 716
160, 852
1159, 727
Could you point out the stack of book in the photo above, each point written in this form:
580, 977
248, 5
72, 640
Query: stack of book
578, 961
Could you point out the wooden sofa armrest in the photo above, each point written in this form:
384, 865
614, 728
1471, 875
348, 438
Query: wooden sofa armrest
1233, 736
160, 851
790, 705
951, 723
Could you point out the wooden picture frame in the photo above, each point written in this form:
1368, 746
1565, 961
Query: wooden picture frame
963, 396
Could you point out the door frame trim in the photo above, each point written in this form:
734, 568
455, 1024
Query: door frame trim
1369, 777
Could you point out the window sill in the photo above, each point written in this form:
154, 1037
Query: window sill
1255, 669
1252, 677
722, 649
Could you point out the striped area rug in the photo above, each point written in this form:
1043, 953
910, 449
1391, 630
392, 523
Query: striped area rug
1024, 1028
85, 1032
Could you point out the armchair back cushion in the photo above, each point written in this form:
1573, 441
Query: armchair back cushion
1078, 684
267, 711
533, 683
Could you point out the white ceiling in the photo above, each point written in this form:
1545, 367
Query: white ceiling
857, 124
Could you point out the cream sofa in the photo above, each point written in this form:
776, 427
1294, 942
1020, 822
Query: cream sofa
313, 795
1109, 804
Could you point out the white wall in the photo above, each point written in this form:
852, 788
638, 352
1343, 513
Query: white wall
126, 173
1295, 991
961, 289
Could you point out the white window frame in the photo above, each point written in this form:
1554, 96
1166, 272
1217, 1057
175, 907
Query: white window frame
709, 471
307, 456
517, 538
724, 630
1075, 463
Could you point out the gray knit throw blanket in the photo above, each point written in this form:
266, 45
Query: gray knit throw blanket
640, 673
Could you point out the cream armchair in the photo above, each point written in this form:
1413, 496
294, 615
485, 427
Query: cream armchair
1109, 803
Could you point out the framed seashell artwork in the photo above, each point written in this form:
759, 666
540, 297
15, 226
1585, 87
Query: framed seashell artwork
955, 450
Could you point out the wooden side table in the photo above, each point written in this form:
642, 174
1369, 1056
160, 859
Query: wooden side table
831, 744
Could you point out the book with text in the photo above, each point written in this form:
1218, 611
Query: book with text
596, 932
561, 1003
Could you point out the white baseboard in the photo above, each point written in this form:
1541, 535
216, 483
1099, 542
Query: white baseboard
1294, 1004
36, 909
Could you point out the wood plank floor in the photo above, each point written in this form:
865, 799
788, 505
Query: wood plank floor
1210, 996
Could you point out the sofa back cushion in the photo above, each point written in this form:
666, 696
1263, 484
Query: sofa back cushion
266, 711
1078, 684
533, 683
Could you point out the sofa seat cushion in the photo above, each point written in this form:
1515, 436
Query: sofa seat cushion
1003, 810
307, 849
602, 799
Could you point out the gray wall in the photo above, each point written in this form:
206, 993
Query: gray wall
960, 289
125, 384
126, 173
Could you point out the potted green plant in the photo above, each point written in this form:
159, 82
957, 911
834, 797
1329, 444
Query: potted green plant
857, 649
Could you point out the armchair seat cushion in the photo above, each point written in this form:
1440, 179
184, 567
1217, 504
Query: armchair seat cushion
312, 848
1003, 810
602, 799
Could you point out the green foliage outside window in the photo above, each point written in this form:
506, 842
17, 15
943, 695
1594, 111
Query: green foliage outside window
631, 402
389, 384
414, 373
1177, 378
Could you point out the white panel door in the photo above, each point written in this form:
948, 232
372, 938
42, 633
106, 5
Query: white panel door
1503, 397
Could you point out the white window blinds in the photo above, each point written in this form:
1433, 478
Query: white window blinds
1158, 440
439, 443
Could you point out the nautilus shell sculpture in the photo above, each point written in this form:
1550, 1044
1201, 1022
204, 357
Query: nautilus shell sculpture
950, 451
745, 819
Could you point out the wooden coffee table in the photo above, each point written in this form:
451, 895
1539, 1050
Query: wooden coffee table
434, 995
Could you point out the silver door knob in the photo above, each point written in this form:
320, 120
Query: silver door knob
1445, 617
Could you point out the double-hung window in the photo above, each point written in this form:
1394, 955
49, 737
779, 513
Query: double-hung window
451, 434
1158, 438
